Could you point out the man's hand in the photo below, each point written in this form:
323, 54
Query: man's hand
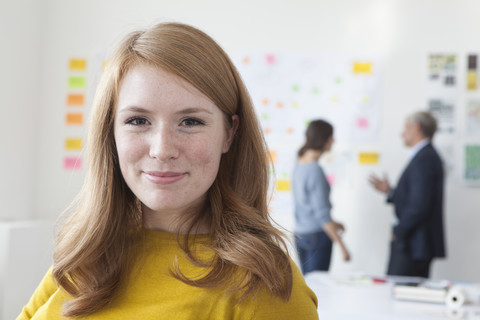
381, 184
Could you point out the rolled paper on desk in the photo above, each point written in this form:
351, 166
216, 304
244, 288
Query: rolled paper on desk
456, 297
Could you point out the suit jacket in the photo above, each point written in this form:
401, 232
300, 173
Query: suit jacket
418, 201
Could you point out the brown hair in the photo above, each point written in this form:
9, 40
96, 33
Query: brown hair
91, 254
316, 136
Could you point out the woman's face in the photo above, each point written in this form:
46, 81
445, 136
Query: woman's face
169, 138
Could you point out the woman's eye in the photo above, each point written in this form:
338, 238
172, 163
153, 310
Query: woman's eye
192, 122
137, 121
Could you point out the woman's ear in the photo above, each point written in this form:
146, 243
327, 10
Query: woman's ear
231, 133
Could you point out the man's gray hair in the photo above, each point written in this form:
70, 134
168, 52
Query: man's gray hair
426, 121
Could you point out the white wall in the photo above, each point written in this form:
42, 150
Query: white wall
20, 94
402, 32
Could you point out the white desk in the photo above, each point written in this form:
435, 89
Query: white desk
350, 300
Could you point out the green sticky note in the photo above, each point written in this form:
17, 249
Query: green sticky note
76, 82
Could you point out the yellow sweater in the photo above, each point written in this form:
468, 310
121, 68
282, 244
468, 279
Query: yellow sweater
152, 293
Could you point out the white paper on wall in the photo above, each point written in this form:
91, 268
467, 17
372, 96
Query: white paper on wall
289, 89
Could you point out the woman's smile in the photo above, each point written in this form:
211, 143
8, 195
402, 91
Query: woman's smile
166, 177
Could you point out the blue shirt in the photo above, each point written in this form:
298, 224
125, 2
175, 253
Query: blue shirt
311, 194
417, 147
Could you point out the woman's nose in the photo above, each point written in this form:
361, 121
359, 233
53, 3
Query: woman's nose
163, 144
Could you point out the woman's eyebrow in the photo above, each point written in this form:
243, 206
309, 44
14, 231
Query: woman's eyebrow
134, 109
193, 110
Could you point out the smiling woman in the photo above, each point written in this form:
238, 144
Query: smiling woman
169, 145
172, 220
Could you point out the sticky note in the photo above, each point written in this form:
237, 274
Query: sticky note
78, 64
290, 130
75, 100
273, 156
270, 58
74, 118
368, 158
471, 80
76, 82
331, 178
362, 123
283, 185
73, 144
72, 163
362, 67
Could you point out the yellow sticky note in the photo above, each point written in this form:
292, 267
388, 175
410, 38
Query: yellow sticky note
368, 158
283, 185
362, 67
74, 118
472, 80
76, 82
73, 144
78, 64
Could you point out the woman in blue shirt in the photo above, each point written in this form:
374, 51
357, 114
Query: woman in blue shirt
314, 227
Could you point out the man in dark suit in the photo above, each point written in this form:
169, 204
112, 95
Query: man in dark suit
418, 234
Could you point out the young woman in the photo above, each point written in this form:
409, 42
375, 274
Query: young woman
172, 220
314, 227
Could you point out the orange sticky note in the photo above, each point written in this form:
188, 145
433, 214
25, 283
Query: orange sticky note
273, 157
73, 144
78, 64
75, 99
74, 118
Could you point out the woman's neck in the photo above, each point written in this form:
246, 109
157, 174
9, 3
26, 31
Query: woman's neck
310, 156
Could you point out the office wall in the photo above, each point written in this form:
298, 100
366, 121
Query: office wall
401, 32
20, 94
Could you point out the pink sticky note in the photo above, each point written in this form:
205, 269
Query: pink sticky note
270, 58
331, 179
72, 163
362, 123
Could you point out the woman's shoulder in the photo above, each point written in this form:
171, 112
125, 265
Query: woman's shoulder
46, 289
301, 305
